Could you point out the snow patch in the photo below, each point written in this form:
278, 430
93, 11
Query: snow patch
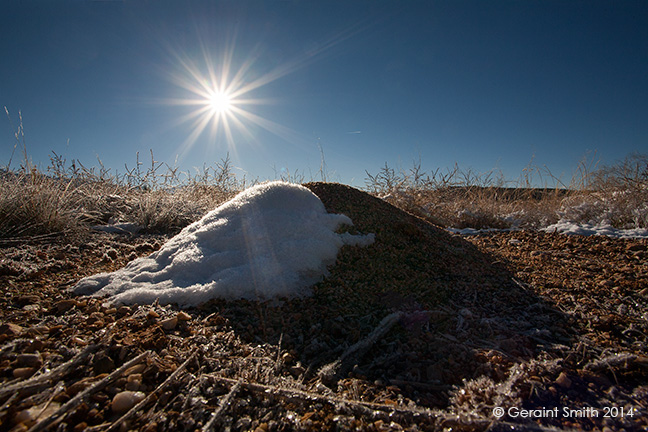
567, 227
272, 240
119, 228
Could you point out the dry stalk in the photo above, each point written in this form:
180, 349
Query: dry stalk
355, 407
159, 388
624, 360
52, 375
333, 371
215, 417
75, 401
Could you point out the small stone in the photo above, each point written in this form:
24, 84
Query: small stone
169, 323
134, 378
137, 369
29, 360
183, 316
102, 363
563, 381
133, 385
27, 299
124, 310
152, 314
123, 401
287, 358
65, 305
111, 253
10, 329
23, 372
80, 427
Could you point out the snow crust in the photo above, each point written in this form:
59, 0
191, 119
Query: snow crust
272, 240
567, 227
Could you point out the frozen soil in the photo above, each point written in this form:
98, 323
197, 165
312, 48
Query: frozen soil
423, 330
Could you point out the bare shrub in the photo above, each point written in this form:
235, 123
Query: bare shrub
616, 195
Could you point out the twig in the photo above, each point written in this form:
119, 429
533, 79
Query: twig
370, 409
72, 403
278, 359
52, 375
209, 426
332, 371
421, 385
624, 359
159, 388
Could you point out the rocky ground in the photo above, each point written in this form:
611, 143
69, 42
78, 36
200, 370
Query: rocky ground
424, 330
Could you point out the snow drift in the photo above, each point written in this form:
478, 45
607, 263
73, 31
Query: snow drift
271, 240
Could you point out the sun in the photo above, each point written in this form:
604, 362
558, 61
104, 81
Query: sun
219, 102
219, 94
219, 87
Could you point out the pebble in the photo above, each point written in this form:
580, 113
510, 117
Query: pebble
23, 372
29, 360
123, 401
183, 316
10, 329
169, 323
27, 299
137, 369
563, 381
124, 310
65, 305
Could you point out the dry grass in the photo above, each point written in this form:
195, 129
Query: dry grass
66, 198
616, 195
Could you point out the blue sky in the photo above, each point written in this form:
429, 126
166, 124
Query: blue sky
485, 84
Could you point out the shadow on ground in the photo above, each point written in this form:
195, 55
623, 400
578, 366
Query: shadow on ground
462, 314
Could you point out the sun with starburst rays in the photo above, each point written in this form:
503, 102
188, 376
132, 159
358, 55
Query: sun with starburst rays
219, 102
221, 97
221, 92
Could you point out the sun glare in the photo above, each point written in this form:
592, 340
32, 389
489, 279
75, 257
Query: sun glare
219, 93
219, 102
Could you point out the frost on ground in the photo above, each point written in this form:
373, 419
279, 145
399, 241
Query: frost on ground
272, 240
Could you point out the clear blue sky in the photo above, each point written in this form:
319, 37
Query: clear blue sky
486, 84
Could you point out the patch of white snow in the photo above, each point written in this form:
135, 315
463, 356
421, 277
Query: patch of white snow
567, 227
272, 240
119, 228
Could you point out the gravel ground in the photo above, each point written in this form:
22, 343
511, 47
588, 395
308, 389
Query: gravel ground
423, 330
